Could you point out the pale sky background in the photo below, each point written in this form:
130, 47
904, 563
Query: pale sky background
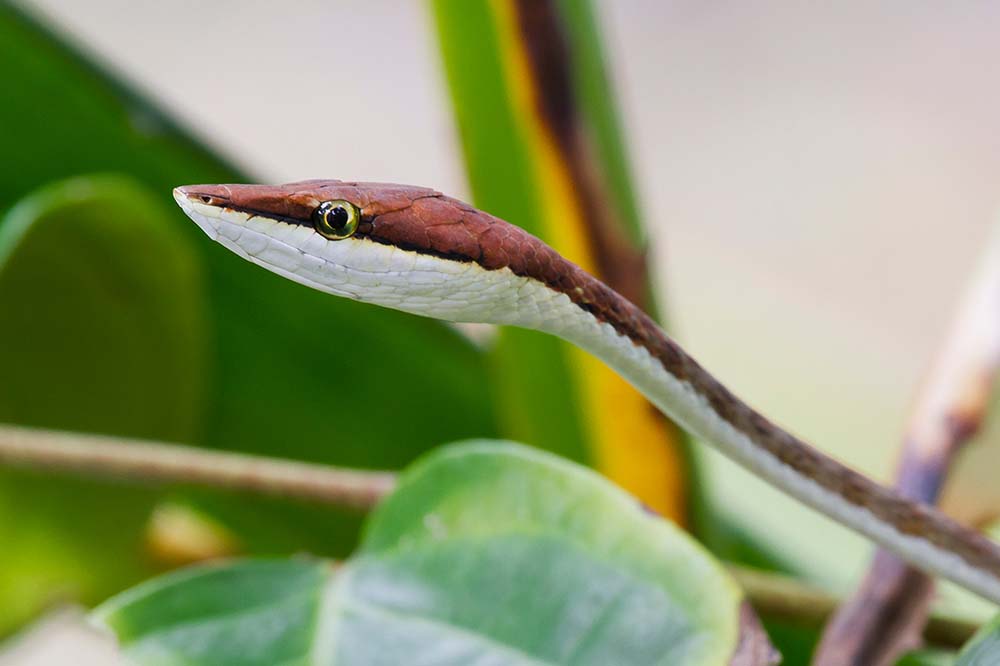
817, 180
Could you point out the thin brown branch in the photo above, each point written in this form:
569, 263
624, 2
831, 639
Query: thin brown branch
884, 618
779, 598
151, 461
774, 596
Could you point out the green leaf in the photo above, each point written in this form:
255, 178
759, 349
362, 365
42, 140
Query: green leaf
984, 648
486, 553
70, 117
103, 313
543, 555
104, 331
263, 612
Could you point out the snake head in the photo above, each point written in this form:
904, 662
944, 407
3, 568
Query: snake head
403, 247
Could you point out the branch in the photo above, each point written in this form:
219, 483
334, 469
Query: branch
778, 597
774, 596
150, 461
883, 619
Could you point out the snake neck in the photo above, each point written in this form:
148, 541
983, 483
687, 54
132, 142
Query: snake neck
639, 350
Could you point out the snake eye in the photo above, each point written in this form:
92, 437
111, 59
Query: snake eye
337, 219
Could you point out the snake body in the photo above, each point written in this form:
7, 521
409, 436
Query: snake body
416, 250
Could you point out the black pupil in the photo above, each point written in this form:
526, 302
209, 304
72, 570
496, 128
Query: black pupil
337, 217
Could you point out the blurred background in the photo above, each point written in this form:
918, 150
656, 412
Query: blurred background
816, 181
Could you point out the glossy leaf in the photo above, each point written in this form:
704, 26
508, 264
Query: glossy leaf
103, 330
258, 613
486, 553
579, 571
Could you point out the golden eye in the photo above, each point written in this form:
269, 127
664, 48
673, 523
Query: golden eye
337, 219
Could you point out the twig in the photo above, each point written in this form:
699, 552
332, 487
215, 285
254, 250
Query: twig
151, 461
883, 619
777, 597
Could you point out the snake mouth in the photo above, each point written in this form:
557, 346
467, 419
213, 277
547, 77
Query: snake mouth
255, 239
204, 213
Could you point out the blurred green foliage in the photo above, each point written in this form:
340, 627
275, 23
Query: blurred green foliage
251, 361
91, 340
273, 372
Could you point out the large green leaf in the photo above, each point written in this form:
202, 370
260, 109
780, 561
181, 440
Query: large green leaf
102, 329
577, 569
291, 372
486, 553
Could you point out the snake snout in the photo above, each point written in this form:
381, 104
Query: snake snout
210, 195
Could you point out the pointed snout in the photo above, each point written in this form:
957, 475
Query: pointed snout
209, 195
